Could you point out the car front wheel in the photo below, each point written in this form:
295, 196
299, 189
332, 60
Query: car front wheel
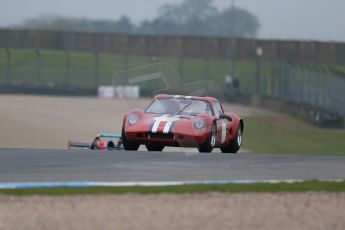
210, 141
127, 144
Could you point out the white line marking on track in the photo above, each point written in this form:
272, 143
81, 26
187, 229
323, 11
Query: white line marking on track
147, 183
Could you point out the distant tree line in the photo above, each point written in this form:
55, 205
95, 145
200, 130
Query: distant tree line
191, 17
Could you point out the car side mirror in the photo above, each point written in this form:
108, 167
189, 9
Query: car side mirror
224, 116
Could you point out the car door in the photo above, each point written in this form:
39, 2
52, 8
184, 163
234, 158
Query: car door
221, 124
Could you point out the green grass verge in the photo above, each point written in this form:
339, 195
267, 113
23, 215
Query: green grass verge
287, 135
308, 186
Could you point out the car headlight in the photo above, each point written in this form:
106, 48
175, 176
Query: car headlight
199, 123
132, 119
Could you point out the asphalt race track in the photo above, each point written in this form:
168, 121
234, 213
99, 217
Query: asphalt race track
19, 165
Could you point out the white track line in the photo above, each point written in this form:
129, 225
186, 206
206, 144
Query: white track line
147, 183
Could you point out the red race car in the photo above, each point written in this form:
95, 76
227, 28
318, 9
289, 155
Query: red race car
186, 121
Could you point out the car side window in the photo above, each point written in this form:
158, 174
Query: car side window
208, 109
218, 109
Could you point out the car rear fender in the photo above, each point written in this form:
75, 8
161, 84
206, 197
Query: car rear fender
236, 121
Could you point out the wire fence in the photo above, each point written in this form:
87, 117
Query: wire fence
307, 85
317, 86
310, 85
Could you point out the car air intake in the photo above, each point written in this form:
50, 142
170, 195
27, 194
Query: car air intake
167, 136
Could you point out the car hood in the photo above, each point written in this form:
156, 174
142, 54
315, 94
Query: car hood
166, 123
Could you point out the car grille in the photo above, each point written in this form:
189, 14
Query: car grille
167, 136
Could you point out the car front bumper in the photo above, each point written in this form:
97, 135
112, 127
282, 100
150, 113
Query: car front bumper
167, 139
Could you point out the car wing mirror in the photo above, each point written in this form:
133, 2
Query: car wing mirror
224, 116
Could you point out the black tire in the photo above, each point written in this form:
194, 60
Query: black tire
210, 141
127, 144
111, 145
235, 144
154, 147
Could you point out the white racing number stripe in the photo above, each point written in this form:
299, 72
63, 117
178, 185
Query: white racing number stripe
168, 125
223, 132
156, 123
165, 118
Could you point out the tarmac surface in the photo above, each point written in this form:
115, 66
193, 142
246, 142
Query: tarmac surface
38, 165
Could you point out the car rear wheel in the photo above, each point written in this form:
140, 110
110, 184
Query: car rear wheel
210, 141
127, 144
153, 147
234, 144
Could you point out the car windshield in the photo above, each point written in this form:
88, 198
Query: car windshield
179, 106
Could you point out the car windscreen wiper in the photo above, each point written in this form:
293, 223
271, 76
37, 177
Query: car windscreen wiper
183, 108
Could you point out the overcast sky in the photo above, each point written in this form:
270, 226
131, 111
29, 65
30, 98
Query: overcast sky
289, 19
